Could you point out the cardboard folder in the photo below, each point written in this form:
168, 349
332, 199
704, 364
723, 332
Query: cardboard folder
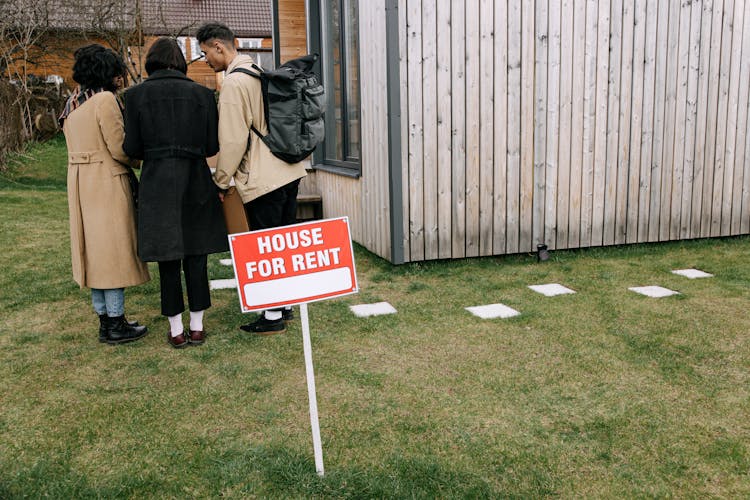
234, 212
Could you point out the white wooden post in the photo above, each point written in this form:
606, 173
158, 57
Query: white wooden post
310, 375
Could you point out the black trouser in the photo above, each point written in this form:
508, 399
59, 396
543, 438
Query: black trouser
196, 281
274, 209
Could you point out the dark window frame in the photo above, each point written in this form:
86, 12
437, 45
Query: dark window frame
317, 35
258, 50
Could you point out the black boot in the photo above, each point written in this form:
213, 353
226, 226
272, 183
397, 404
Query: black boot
119, 331
103, 327
103, 324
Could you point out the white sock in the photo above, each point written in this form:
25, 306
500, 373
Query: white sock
273, 315
196, 321
175, 325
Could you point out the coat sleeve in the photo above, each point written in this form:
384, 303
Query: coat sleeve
212, 144
109, 118
235, 119
133, 145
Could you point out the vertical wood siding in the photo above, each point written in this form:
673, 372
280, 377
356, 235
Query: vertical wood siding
292, 31
572, 123
366, 200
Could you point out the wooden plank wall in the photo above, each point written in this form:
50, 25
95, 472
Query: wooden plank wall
57, 58
292, 29
374, 233
366, 200
573, 123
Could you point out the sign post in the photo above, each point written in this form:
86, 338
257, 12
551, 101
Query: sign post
292, 265
311, 396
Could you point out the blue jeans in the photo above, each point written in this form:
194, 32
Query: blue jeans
110, 302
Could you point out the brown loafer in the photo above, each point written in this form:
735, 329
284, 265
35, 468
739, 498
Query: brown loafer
197, 337
177, 342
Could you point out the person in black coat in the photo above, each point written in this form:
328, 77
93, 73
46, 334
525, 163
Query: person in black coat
171, 123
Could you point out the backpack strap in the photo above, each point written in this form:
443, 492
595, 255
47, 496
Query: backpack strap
247, 71
263, 85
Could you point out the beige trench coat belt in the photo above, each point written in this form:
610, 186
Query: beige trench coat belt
87, 157
84, 158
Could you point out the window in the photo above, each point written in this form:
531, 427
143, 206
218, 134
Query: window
262, 57
195, 50
254, 48
249, 43
182, 42
196, 54
340, 49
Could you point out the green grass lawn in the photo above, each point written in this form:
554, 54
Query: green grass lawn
604, 393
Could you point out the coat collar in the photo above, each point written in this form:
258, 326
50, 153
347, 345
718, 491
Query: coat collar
240, 60
167, 73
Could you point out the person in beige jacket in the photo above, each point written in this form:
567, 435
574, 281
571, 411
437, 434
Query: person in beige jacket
267, 185
100, 201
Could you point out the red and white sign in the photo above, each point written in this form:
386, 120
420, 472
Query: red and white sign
295, 264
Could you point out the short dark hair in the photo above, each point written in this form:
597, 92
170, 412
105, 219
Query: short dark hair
165, 53
97, 67
215, 30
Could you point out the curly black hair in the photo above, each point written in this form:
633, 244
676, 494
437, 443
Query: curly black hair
97, 67
215, 30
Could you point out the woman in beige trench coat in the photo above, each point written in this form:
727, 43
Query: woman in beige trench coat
100, 201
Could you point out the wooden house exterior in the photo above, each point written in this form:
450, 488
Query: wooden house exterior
490, 127
140, 24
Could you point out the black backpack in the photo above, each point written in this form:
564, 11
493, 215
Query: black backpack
293, 103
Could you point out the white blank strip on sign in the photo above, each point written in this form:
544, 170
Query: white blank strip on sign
295, 287
692, 273
653, 291
365, 310
551, 289
225, 262
492, 311
221, 284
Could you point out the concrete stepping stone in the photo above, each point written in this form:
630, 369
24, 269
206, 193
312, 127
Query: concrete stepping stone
221, 284
492, 311
653, 291
551, 289
225, 262
692, 273
376, 309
